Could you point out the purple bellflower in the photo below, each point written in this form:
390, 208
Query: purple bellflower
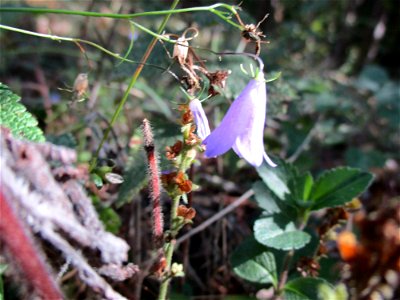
242, 128
200, 118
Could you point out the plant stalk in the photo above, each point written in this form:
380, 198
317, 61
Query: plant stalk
288, 259
285, 272
169, 251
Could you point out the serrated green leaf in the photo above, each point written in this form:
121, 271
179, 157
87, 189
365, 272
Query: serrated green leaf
339, 186
280, 233
253, 262
277, 178
265, 198
303, 288
14, 116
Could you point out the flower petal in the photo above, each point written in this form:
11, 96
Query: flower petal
269, 161
250, 144
232, 125
200, 118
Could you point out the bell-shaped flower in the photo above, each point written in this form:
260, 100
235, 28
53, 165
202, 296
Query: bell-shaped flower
242, 128
200, 118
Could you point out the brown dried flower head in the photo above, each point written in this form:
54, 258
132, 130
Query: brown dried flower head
187, 116
173, 151
188, 213
185, 185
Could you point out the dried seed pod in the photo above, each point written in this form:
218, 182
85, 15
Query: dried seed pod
80, 86
181, 49
251, 33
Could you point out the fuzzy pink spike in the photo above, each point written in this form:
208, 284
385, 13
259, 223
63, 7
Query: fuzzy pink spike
24, 252
155, 183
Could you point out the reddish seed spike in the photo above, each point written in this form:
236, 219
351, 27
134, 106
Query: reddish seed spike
24, 252
155, 183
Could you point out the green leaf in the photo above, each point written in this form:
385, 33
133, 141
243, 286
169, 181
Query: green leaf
135, 178
3, 268
279, 232
110, 219
308, 250
277, 178
265, 198
297, 131
388, 104
14, 116
66, 140
160, 104
339, 186
326, 291
96, 180
273, 76
365, 160
303, 288
300, 187
371, 78
253, 262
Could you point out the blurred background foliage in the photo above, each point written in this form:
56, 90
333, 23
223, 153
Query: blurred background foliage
337, 101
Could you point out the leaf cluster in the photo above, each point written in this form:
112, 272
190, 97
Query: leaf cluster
287, 199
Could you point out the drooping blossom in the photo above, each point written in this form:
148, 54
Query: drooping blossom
242, 128
200, 118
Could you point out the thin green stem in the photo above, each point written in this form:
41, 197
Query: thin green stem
61, 38
169, 251
225, 15
130, 86
288, 259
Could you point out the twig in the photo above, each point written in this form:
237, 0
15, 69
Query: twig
304, 144
216, 217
